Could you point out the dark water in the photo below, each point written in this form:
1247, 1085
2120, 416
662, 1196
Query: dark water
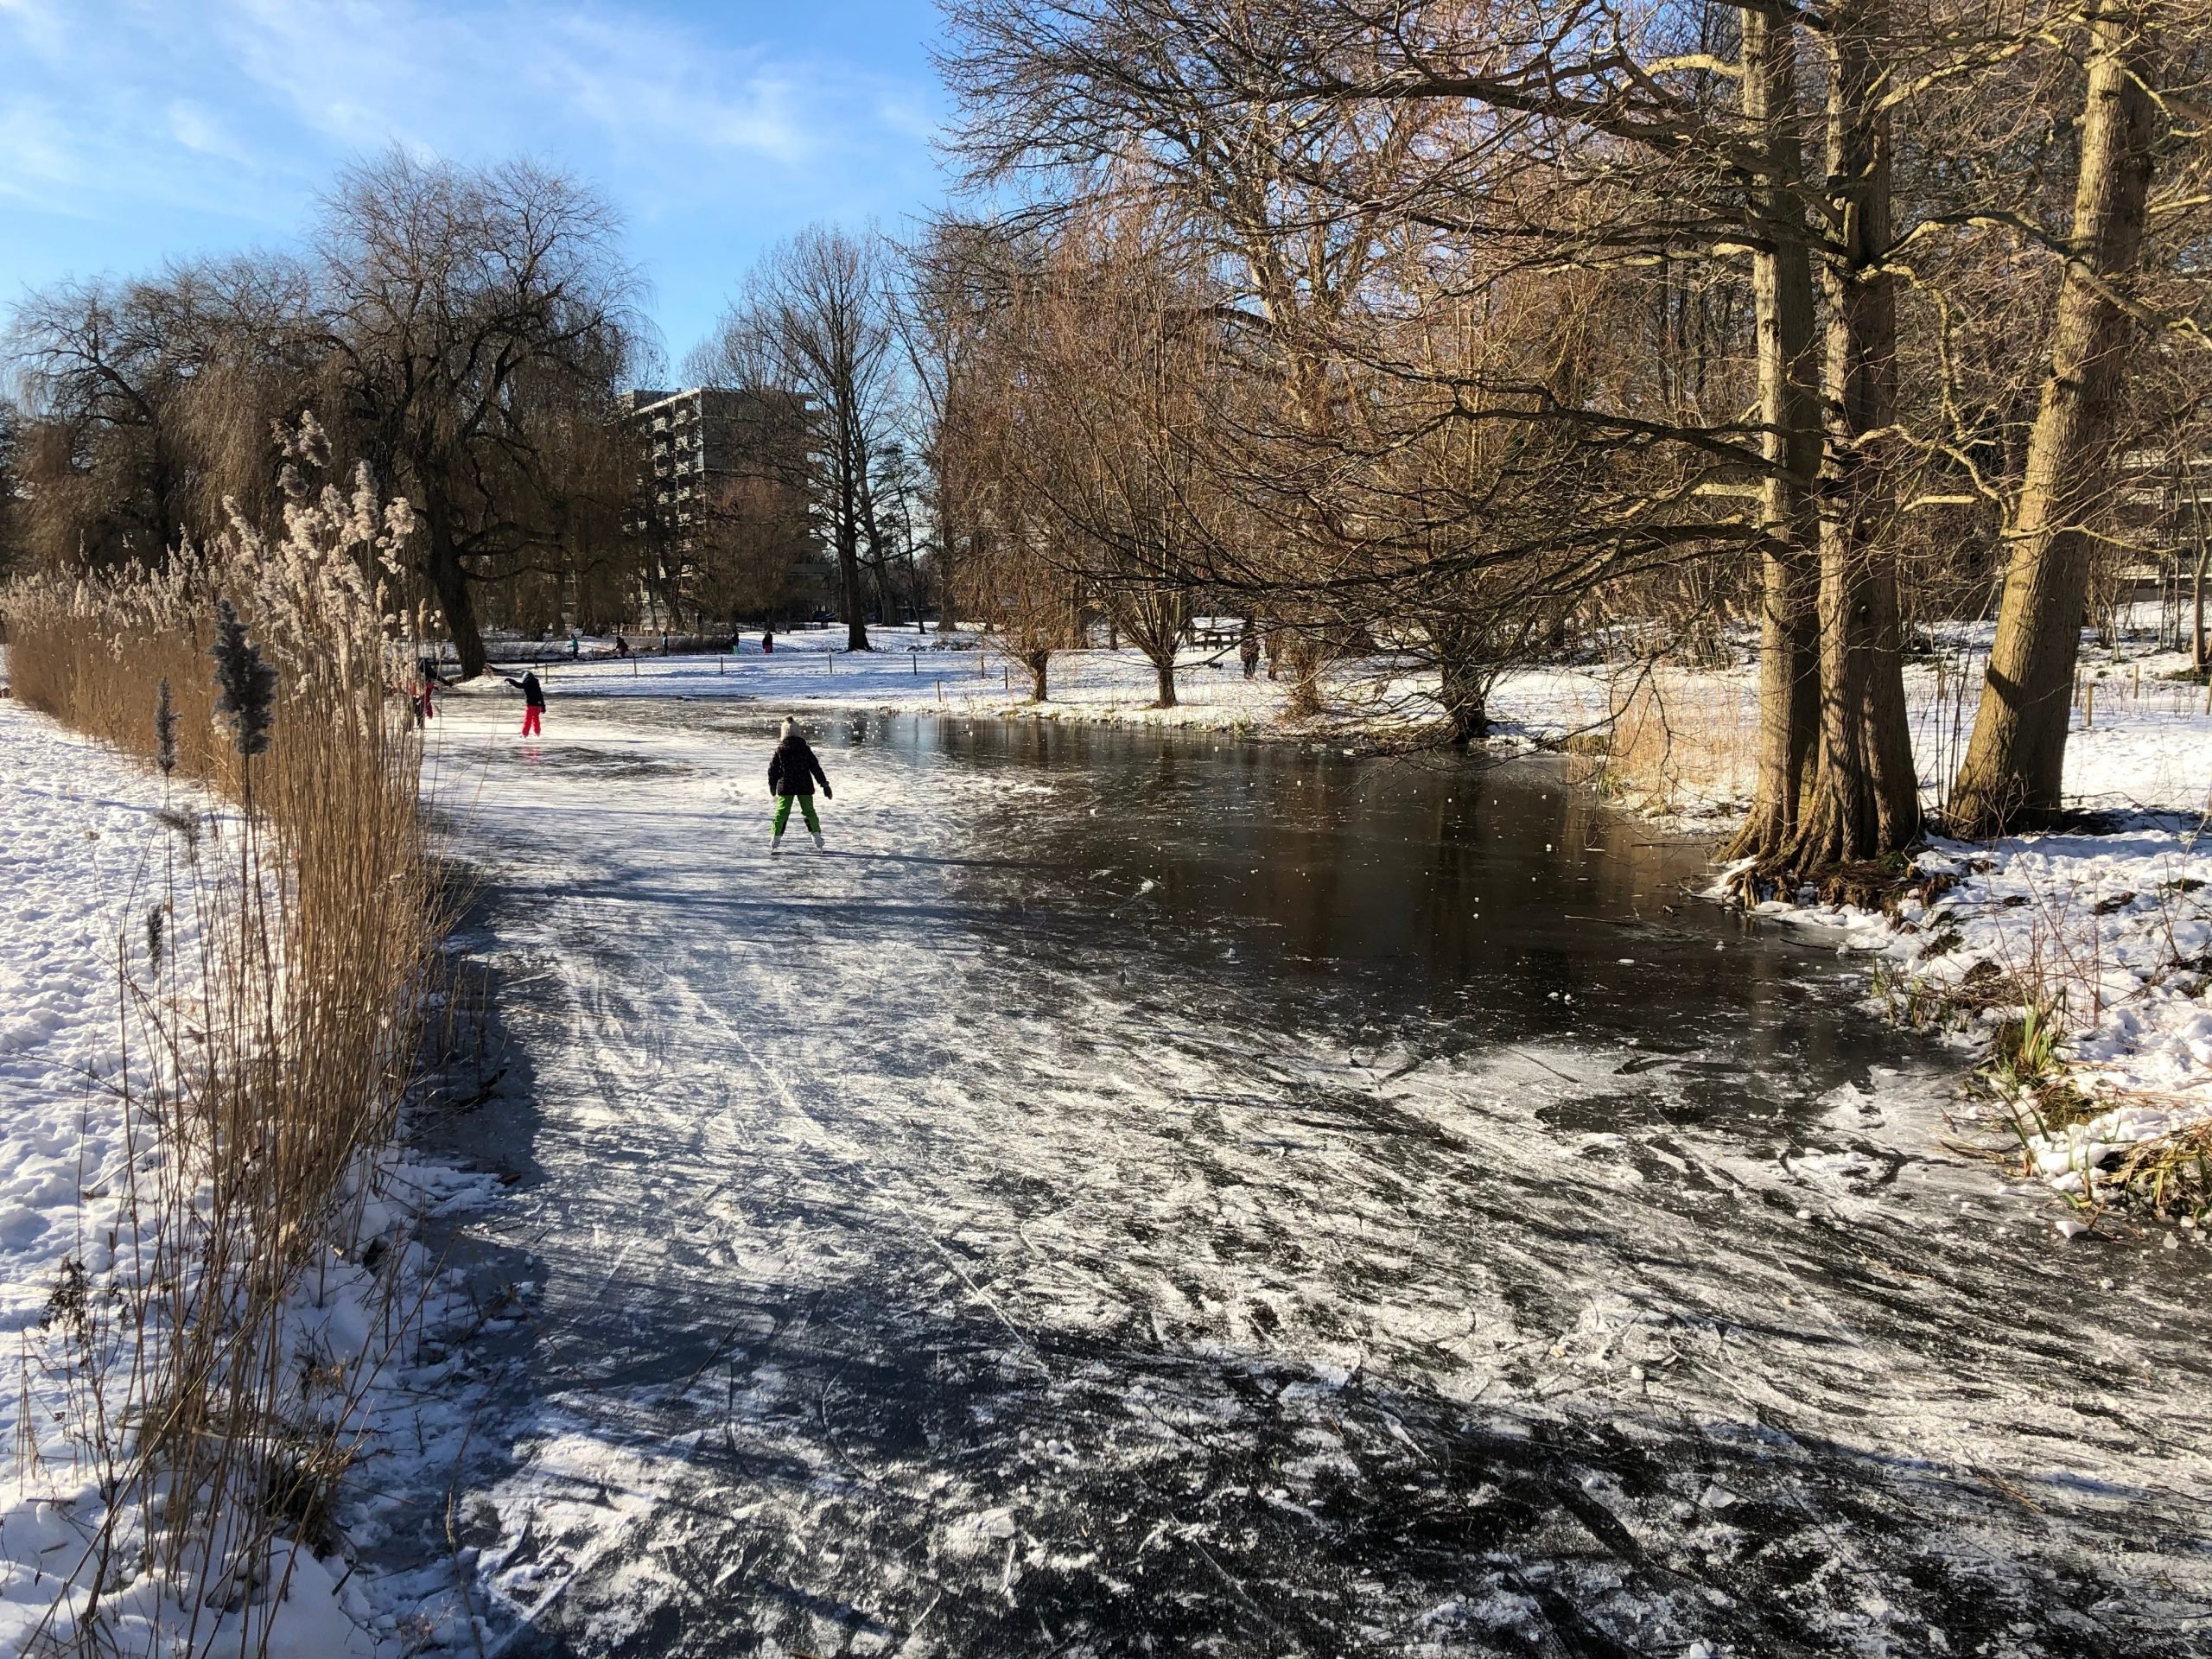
1143, 1196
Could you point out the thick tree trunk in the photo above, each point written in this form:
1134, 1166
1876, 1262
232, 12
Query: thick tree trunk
1462, 686
1038, 662
1866, 800
1466, 706
1307, 657
1166, 674
2015, 765
1782, 289
448, 579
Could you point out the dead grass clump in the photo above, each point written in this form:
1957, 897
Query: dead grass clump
270, 1016
2171, 1175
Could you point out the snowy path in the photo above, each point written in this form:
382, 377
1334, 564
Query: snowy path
1130, 1199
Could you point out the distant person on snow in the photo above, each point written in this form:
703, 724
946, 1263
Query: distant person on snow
533, 703
767, 642
792, 773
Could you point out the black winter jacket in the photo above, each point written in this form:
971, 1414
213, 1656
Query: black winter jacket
792, 770
533, 694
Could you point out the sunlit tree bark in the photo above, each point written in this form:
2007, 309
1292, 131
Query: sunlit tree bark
2015, 765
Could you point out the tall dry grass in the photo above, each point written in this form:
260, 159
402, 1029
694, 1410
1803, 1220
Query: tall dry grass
1678, 741
267, 1009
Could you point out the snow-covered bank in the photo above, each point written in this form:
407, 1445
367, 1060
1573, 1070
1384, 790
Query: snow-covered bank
87, 842
2079, 965
911, 673
2144, 743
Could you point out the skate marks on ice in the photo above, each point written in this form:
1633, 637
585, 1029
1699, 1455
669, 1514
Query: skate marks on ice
930, 1267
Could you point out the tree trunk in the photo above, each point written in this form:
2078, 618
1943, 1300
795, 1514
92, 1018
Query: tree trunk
1166, 673
1466, 705
1038, 663
1866, 799
2196, 604
848, 548
450, 580
1462, 687
1307, 659
2015, 766
1782, 289
878, 565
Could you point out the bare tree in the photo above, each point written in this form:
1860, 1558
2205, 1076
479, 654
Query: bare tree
1109, 353
473, 319
814, 317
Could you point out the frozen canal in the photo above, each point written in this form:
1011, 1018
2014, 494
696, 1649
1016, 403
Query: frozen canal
1149, 1196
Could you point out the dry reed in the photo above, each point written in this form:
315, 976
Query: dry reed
269, 1021
1681, 740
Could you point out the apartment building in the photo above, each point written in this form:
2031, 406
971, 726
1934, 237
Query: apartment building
696, 445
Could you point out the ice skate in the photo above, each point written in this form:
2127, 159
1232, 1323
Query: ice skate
775, 846
818, 847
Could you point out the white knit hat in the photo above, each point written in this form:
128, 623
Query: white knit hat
791, 725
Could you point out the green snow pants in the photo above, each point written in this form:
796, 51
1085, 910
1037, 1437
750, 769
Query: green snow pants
806, 810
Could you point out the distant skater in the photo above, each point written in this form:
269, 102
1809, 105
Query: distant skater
792, 773
533, 702
767, 642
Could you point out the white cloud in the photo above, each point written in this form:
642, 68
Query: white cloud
228, 116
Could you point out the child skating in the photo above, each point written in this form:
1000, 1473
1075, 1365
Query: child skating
792, 773
533, 702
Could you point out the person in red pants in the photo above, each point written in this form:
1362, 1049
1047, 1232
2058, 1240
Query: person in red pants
533, 703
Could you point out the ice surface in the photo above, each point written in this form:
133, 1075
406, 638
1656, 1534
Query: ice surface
1173, 1198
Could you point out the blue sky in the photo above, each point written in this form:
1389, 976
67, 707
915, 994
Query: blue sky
134, 130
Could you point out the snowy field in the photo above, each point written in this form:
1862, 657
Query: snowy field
921, 673
80, 854
2144, 744
75, 831
1148, 1195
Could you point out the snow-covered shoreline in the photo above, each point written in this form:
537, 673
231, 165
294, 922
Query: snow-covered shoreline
82, 850
2103, 941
